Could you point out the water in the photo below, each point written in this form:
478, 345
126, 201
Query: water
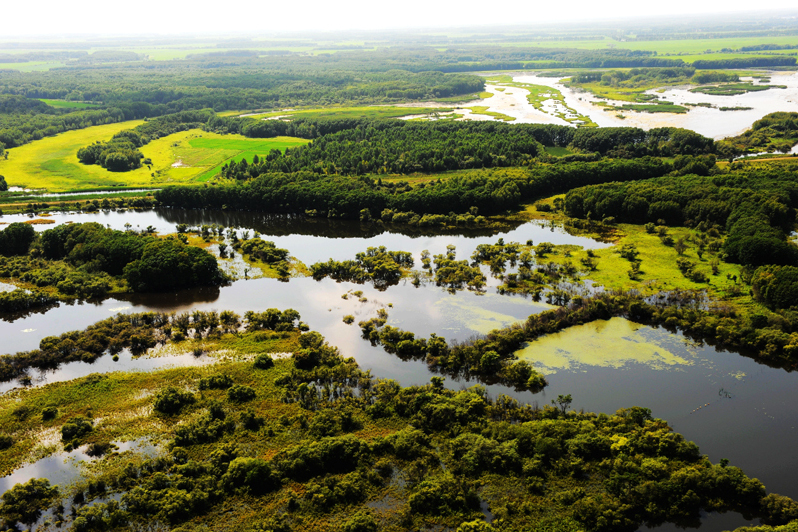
65, 467
711, 122
731, 406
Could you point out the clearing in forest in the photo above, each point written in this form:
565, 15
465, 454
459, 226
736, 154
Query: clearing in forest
187, 157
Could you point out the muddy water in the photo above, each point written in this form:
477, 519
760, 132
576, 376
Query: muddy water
731, 406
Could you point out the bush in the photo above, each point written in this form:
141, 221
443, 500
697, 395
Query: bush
49, 413
216, 382
76, 428
264, 361
360, 522
240, 393
6, 441
171, 401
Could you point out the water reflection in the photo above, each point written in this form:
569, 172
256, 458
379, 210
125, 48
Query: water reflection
732, 406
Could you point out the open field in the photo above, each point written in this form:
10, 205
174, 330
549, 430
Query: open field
63, 104
31, 66
51, 163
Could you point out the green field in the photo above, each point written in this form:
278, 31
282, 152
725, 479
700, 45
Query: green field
51, 163
235, 148
63, 104
31, 66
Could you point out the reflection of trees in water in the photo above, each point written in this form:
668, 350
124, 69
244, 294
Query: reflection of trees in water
157, 300
295, 224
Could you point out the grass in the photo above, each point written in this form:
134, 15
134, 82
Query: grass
734, 89
662, 107
483, 110
51, 163
557, 151
31, 66
63, 104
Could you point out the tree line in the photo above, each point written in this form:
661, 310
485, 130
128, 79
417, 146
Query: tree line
755, 205
345, 197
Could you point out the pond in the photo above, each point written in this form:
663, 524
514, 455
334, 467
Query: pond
731, 406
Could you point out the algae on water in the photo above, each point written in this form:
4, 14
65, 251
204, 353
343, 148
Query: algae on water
610, 343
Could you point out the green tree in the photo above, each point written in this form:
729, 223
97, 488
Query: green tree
24, 503
563, 402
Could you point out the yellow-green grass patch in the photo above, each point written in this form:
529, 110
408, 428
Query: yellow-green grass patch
483, 110
64, 104
51, 163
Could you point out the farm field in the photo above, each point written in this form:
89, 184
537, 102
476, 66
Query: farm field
51, 163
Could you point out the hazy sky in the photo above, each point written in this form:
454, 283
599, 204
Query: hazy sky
44, 17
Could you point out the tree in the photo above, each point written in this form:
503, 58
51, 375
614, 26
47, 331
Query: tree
24, 503
3, 184
563, 402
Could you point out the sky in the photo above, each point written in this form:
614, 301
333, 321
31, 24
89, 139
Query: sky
51, 17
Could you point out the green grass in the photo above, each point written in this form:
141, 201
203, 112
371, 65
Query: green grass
558, 151
483, 110
538, 94
663, 107
51, 163
735, 89
31, 66
63, 104
239, 148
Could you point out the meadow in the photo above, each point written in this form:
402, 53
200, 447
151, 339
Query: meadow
191, 156
64, 104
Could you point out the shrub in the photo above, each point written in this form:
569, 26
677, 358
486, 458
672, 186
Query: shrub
76, 428
240, 393
264, 361
171, 401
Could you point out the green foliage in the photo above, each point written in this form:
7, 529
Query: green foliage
24, 503
774, 132
16, 239
170, 264
240, 393
170, 401
340, 197
264, 361
378, 265
776, 286
360, 522
76, 428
